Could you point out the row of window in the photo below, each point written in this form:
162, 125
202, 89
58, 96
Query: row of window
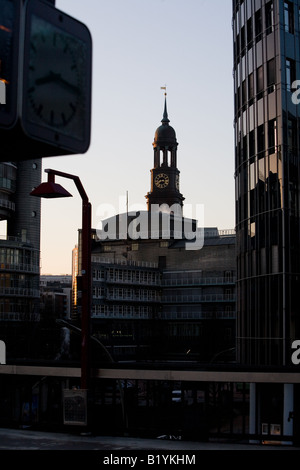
124, 275
253, 87
252, 31
196, 277
16, 280
255, 143
121, 310
15, 256
254, 27
265, 139
132, 294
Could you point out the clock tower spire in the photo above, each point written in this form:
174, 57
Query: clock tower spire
165, 174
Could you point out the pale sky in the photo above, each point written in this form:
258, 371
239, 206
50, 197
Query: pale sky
138, 47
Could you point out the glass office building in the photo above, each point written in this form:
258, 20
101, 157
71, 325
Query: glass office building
266, 121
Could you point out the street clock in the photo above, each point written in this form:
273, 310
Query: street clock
9, 53
56, 78
54, 95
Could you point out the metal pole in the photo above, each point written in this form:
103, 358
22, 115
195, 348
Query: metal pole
85, 273
86, 294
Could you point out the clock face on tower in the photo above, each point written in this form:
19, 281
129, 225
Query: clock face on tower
161, 180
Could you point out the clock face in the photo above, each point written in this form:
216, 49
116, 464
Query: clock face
161, 180
57, 78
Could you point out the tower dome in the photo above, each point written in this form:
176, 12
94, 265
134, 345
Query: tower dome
165, 134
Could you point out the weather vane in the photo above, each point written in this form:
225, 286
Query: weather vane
164, 88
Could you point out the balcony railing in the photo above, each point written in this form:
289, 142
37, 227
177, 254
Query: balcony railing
186, 315
144, 282
200, 281
198, 298
133, 298
19, 316
19, 292
6, 204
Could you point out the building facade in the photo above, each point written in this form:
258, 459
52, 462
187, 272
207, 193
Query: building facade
159, 301
19, 253
266, 65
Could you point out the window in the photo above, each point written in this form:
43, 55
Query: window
252, 176
290, 68
269, 11
251, 143
251, 88
259, 81
260, 139
292, 134
245, 154
249, 34
243, 41
228, 276
258, 26
289, 17
237, 99
237, 47
272, 136
271, 75
244, 93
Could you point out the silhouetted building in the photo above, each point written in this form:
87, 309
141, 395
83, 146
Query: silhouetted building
56, 296
156, 295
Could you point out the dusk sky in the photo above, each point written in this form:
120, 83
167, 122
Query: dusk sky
140, 46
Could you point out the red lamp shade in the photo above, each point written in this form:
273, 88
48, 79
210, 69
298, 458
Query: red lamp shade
50, 190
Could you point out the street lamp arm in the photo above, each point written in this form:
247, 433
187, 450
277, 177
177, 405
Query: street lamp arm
75, 178
54, 190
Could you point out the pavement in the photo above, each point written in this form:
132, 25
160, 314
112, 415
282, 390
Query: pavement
27, 439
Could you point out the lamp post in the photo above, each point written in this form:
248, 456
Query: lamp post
50, 189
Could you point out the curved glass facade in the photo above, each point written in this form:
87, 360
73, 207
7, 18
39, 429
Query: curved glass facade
20, 246
8, 182
266, 64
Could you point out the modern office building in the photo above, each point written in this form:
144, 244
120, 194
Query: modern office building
19, 253
266, 120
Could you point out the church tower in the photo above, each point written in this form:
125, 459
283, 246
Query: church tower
165, 174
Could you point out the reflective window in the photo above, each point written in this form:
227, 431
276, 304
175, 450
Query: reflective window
251, 88
289, 17
258, 26
259, 81
290, 67
269, 12
271, 75
272, 136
